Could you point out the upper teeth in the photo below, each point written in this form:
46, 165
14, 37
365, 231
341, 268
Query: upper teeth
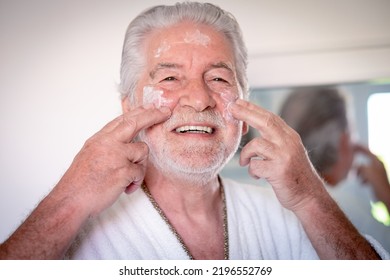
195, 129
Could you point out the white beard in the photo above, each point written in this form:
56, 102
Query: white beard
191, 162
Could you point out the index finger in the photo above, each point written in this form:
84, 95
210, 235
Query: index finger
132, 123
255, 116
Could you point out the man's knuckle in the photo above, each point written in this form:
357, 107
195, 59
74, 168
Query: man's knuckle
130, 122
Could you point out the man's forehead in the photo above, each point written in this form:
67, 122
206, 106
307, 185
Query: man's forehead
185, 34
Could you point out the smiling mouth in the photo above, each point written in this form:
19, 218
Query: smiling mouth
195, 129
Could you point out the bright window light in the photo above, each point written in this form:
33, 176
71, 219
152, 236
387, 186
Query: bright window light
378, 109
379, 127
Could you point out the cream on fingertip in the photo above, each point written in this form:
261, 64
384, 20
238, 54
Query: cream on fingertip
165, 110
240, 101
229, 107
148, 106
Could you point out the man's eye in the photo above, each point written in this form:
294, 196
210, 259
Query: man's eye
220, 80
169, 79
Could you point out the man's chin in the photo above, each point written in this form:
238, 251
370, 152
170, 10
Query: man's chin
198, 176
191, 169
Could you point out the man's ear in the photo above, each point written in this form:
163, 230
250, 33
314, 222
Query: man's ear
245, 128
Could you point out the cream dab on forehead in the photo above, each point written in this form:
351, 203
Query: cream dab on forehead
164, 46
195, 37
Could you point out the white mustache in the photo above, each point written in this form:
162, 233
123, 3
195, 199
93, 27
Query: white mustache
186, 116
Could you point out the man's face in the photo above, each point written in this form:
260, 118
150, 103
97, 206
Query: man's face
190, 69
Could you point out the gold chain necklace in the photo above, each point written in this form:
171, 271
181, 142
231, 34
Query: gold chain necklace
177, 235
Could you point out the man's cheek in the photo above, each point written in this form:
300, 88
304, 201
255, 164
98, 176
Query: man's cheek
158, 97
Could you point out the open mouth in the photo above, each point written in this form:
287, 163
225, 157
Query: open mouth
195, 129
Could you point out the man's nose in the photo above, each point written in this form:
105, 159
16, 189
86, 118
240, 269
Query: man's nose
198, 96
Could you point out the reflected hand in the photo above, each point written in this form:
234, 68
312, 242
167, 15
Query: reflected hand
374, 174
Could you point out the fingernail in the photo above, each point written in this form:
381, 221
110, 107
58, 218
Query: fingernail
240, 102
165, 110
229, 106
149, 106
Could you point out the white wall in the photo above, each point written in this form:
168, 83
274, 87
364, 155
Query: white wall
307, 42
59, 64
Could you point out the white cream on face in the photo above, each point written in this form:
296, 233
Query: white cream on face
228, 98
164, 46
153, 95
197, 38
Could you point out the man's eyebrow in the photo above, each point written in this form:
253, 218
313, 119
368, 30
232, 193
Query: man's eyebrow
163, 65
223, 65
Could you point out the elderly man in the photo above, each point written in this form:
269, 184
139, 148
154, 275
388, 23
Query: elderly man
183, 83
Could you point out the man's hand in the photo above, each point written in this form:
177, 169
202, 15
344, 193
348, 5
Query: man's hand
110, 162
374, 174
278, 156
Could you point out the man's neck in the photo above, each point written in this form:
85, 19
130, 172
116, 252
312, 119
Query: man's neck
182, 194
196, 212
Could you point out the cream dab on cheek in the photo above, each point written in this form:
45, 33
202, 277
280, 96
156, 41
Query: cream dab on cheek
153, 95
227, 100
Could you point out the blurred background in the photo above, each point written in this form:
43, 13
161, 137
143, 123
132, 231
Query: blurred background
59, 68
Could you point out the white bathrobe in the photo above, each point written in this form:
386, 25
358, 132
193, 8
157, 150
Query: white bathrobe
259, 228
